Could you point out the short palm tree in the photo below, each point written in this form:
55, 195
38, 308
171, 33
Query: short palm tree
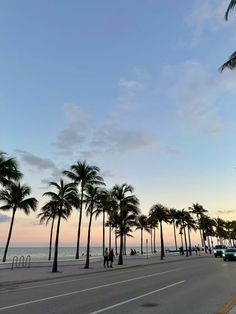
198, 210
183, 217
142, 224
65, 198
82, 173
14, 196
92, 198
219, 229
160, 213
8, 169
173, 216
48, 213
125, 203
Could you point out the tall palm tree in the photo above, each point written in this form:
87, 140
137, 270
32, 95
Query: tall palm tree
219, 229
125, 203
65, 198
231, 62
183, 219
160, 213
173, 216
92, 198
207, 225
142, 224
82, 173
14, 196
191, 225
8, 169
198, 210
48, 213
153, 224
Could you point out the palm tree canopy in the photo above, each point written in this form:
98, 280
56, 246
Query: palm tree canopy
197, 209
66, 197
231, 6
160, 212
92, 198
142, 223
230, 64
82, 173
15, 197
8, 169
48, 212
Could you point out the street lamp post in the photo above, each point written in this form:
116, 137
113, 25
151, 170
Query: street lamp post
147, 247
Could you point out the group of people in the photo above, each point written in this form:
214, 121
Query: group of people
108, 258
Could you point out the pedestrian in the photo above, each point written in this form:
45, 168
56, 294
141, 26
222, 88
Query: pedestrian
106, 258
195, 248
111, 257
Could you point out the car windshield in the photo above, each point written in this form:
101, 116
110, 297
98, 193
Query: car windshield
231, 250
219, 247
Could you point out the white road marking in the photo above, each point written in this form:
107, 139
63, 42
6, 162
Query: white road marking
138, 297
88, 289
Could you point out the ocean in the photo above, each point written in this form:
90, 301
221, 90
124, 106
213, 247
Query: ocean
64, 253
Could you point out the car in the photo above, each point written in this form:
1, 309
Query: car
219, 250
229, 254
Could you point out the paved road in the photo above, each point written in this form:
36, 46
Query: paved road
187, 286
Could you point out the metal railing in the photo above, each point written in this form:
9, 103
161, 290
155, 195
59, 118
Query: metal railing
21, 262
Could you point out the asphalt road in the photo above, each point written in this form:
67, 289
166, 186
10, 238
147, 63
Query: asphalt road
198, 285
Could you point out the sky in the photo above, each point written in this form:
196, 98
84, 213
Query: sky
130, 86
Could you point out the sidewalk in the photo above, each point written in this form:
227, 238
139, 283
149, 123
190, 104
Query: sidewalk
17, 275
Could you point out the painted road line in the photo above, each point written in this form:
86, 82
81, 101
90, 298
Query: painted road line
138, 297
70, 280
225, 307
88, 289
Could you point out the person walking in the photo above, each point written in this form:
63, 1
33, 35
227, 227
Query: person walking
106, 258
111, 257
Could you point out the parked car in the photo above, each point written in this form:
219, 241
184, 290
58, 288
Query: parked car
229, 254
219, 250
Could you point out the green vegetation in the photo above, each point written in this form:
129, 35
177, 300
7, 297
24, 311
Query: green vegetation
118, 206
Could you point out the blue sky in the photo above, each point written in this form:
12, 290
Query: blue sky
131, 86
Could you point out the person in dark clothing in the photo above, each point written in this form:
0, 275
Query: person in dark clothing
111, 257
106, 258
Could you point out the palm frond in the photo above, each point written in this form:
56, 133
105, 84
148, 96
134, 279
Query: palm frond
230, 64
231, 6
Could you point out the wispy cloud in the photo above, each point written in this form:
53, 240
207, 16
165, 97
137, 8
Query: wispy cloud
207, 15
4, 218
173, 151
229, 211
194, 91
41, 164
130, 85
78, 126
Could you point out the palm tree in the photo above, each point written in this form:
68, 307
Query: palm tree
231, 62
173, 216
207, 225
82, 173
142, 224
153, 224
65, 198
160, 213
183, 220
92, 198
48, 212
231, 6
126, 204
219, 229
191, 225
15, 197
198, 210
8, 169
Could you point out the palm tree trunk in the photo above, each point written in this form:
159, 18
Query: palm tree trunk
103, 232
162, 242
9, 235
141, 241
79, 226
151, 242
154, 239
109, 237
116, 241
185, 240
50, 241
88, 241
189, 241
54, 266
175, 236
120, 260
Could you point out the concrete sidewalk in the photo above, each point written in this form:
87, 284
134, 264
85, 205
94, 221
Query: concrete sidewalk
17, 275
